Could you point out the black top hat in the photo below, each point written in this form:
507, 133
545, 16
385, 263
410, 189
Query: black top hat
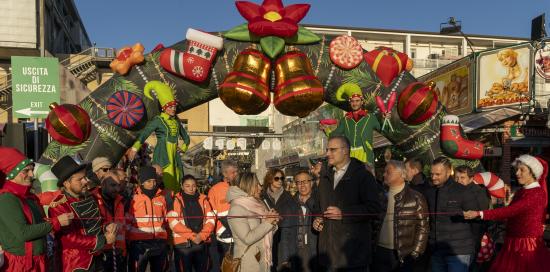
64, 168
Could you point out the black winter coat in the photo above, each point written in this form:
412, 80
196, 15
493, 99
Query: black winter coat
450, 233
284, 239
347, 243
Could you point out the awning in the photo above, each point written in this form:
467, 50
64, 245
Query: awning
471, 122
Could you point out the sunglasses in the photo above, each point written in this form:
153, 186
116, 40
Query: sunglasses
105, 169
278, 178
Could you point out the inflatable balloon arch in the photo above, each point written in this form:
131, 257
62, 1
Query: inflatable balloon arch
269, 53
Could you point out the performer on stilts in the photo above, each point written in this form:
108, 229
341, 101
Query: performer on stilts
167, 130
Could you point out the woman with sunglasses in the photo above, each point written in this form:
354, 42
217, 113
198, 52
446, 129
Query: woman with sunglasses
284, 240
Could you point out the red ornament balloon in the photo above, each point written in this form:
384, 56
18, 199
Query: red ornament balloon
417, 103
68, 124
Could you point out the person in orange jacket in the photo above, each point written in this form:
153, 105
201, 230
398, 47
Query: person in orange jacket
111, 208
147, 225
192, 222
220, 208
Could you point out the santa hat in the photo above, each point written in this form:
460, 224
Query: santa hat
539, 167
163, 93
12, 161
533, 163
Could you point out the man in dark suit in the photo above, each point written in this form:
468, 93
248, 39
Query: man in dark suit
350, 200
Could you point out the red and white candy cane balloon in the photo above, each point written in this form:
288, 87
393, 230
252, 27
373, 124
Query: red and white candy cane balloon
494, 184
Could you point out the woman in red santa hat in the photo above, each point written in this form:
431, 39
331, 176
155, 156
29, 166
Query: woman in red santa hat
524, 248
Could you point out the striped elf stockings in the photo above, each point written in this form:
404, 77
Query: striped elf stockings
193, 64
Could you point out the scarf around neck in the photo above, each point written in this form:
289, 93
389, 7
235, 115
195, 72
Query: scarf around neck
275, 195
192, 209
149, 193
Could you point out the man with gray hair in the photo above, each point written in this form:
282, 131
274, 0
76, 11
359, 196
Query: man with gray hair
405, 228
220, 208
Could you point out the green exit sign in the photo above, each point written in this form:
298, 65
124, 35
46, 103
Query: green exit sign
35, 85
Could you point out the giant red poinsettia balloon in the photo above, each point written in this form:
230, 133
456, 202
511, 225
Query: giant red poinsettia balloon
272, 18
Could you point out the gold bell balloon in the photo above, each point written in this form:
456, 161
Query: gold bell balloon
68, 124
298, 91
245, 89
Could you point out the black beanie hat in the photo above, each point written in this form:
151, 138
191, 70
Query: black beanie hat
147, 173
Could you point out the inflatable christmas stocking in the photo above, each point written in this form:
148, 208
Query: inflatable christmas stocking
454, 145
193, 64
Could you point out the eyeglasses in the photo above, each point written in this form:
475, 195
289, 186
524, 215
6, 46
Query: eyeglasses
105, 169
332, 149
303, 182
278, 178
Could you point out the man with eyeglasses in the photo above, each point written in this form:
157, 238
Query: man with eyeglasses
351, 201
307, 204
23, 229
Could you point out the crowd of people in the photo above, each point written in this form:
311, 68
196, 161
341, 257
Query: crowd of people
339, 219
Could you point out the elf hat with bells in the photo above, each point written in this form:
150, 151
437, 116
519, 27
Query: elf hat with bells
350, 90
162, 92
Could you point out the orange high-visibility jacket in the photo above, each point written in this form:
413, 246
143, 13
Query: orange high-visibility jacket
176, 219
118, 218
220, 207
147, 217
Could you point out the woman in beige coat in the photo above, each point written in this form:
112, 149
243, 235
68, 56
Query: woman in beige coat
251, 223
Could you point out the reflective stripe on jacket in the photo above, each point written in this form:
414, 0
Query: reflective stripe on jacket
176, 220
147, 217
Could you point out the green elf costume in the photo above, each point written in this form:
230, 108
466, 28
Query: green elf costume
23, 226
167, 130
356, 125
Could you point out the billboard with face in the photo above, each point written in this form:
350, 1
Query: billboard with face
504, 76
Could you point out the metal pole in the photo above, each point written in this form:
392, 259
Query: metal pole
42, 9
36, 142
468, 40
42, 30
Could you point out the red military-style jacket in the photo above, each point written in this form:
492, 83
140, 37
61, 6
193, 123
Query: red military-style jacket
83, 238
